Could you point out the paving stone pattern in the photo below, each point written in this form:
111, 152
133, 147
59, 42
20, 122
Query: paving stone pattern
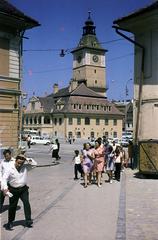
141, 207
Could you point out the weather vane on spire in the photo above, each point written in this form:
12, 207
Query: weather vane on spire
89, 13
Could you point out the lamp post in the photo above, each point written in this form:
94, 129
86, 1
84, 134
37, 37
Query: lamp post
126, 94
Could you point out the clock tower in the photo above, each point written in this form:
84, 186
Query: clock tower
89, 60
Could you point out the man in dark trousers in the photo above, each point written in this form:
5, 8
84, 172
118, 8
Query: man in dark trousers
14, 181
4, 166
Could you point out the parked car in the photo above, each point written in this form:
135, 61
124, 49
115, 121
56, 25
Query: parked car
124, 142
128, 135
39, 140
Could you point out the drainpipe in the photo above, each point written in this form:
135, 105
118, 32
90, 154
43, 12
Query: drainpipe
141, 78
20, 113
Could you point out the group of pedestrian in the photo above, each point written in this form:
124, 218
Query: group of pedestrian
13, 184
93, 161
70, 140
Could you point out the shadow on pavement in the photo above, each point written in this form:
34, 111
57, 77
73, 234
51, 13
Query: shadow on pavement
5, 208
16, 223
145, 176
48, 165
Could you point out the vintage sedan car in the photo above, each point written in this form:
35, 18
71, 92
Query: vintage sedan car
39, 140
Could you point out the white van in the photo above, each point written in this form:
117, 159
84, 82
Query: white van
39, 140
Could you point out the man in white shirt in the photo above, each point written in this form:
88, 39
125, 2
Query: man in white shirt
14, 181
4, 166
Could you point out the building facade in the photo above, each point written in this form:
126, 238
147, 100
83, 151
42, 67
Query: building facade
144, 25
80, 110
126, 107
13, 24
81, 113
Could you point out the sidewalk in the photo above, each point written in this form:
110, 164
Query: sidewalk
141, 214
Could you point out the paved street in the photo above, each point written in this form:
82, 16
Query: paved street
63, 209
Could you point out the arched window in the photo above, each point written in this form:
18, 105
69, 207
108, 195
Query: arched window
39, 120
55, 121
35, 120
46, 120
60, 121
26, 120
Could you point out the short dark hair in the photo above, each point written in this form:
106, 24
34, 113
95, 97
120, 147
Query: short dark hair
6, 151
76, 152
98, 141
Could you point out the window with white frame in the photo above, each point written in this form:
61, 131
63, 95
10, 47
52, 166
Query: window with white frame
70, 121
115, 122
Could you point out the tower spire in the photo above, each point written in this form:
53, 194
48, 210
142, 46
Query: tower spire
89, 27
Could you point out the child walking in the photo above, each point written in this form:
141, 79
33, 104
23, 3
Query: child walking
77, 165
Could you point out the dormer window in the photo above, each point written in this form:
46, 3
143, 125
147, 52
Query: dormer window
79, 106
105, 108
33, 106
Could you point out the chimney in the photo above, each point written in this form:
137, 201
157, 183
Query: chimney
72, 85
55, 88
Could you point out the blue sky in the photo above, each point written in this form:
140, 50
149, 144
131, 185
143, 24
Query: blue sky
61, 28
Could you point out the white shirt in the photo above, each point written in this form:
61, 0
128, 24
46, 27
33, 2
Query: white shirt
54, 146
118, 158
4, 166
17, 178
77, 159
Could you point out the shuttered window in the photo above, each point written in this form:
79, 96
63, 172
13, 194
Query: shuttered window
4, 57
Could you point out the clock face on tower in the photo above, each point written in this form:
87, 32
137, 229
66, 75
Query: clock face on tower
95, 58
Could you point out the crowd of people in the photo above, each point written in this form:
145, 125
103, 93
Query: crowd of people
94, 160
91, 163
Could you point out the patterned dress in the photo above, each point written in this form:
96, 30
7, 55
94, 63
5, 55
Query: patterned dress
87, 163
